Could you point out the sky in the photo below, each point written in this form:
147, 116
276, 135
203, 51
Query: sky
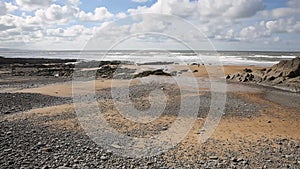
261, 25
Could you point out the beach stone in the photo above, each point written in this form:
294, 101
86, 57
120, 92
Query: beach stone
247, 70
104, 158
63, 167
213, 157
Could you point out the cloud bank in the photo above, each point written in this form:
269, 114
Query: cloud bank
229, 24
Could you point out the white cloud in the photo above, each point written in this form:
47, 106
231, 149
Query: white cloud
280, 12
31, 5
229, 9
251, 33
289, 25
74, 2
56, 13
244, 8
73, 31
10, 7
292, 9
121, 15
227, 20
10, 21
182, 8
99, 14
3, 8
150, 24
269, 28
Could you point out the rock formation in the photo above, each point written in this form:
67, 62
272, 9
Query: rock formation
284, 75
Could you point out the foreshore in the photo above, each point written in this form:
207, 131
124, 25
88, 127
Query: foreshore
40, 126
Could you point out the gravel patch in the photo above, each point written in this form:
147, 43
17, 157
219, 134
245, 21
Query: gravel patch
139, 97
18, 102
24, 144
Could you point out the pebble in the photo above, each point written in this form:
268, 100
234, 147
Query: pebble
213, 157
63, 167
104, 158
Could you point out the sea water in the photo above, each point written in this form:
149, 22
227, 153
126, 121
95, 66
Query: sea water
255, 58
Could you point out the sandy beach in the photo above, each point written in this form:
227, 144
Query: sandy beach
40, 127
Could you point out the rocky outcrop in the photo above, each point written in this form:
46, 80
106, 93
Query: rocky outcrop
151, 72
42, 70
284, 75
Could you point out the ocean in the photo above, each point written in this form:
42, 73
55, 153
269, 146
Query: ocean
246, 58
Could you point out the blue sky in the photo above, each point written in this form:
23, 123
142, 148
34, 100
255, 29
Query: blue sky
115, 6
229, 25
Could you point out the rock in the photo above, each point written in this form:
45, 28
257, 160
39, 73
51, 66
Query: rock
104, 158
234, 159
47, 149
284, 75
271, 78
244, 79
213, 157
63, 167
39, 144
159, 72
247, 70
287, 68
173, 73
239, 159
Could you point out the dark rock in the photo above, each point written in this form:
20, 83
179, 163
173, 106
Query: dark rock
247, 70
271, 78
244, 79
156, 63
151, 72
